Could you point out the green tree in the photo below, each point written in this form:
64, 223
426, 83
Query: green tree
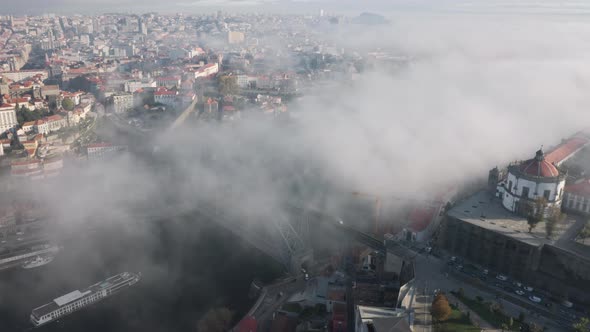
228, 85
441, 310
68, 104
585, 233
583, 325
215, 320
535, 211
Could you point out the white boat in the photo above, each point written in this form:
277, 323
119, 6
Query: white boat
76, 300
38, 261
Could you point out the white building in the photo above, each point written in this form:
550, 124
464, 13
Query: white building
529, 181
167, 97
55, 122
244, 81
207, 70
132, 86
122, 102
7, 117
577, 197
381, 319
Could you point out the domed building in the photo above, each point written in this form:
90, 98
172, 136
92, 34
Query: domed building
529, 182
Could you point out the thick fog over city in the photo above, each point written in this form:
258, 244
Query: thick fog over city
266, 165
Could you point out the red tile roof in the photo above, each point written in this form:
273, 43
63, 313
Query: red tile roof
539, 168
566, 149
165, 92
25, 162
248, 324
99, 145
581, 188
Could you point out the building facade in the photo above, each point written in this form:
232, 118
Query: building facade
122, 102
577, 198
529, 181
7, 118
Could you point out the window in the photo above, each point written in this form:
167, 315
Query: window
546, 194
525, 191
509, 186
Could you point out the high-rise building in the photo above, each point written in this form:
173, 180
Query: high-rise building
7, 117
142, 26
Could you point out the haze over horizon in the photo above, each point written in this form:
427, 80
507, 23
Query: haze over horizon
475, 84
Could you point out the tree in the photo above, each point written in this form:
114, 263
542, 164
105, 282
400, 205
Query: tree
554, 219
228, 85
68, 104
461, 292
583, 325
535, 212
521, 317
215, 320
441, 310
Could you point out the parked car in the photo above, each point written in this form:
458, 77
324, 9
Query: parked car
501, 277
567, 304
486, 271
535, 299
519, 292
528, 288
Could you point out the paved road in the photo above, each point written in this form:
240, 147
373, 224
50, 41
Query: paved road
571, 233
274, 297
430, 271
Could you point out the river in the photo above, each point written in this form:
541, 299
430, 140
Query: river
186, 270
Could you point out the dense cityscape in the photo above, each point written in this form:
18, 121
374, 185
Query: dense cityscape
246, 172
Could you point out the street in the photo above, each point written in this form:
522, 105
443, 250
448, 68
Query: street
431, 275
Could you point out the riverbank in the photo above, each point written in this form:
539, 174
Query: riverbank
188, 267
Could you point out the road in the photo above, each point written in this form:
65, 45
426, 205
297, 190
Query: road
273, 298
571, 233
430, 273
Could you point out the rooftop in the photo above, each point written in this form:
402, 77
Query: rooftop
566, 149
486, 211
